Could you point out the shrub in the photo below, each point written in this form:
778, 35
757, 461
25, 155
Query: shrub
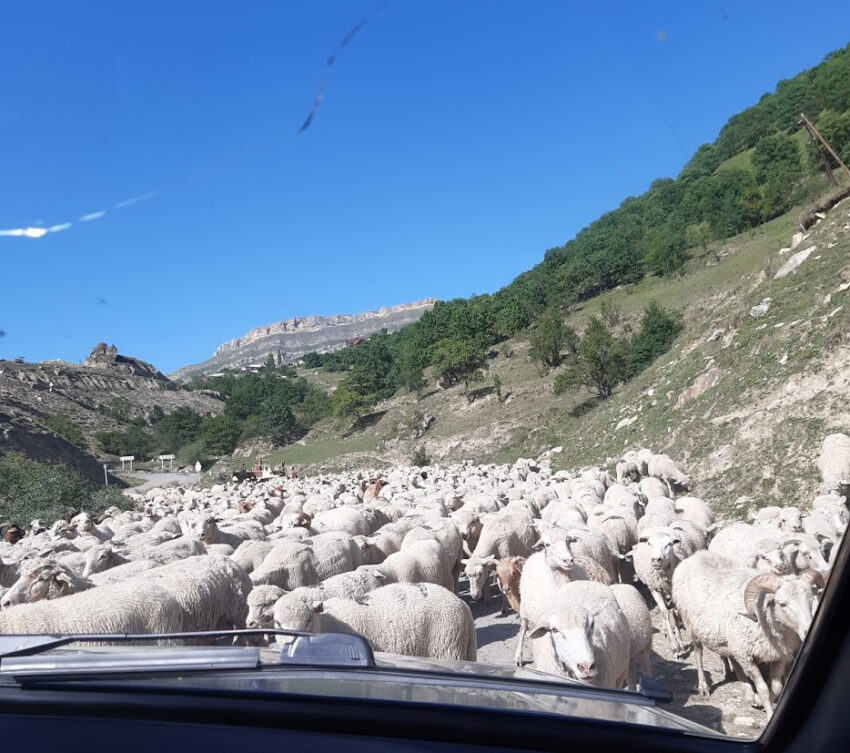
547, 339
420, 457
658, 329
601, 362
191, 453
32, 489
66, 428
133, 441
219, 434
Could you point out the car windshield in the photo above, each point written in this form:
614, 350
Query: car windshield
510, 337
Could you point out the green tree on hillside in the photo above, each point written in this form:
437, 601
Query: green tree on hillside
178, 428
457, 360
277, 421
220, 434
658, 329
547, 339
601, 361
355, 395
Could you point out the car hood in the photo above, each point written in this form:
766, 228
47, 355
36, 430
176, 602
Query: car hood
410, 680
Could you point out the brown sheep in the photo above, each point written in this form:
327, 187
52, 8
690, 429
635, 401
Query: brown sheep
508, 572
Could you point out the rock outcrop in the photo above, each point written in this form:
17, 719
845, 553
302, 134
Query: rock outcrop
293, 338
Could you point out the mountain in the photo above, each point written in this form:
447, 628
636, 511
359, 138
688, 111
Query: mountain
293, 338
108, 392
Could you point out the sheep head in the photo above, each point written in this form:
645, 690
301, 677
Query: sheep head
571, 630
788, 600
477, 570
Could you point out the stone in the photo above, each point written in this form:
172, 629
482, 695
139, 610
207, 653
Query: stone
794, 262
703, 382
797, 239
760, 309
716, 335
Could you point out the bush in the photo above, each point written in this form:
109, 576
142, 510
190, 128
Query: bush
658, 329
562, 382
133, 441
420, 457
219, 434
178, 428
191, 453
547, 339
30, 489
66, 428
601, 363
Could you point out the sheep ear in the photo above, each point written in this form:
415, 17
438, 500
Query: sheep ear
464, 561
539, 631
379, 575
538, 545
317, 606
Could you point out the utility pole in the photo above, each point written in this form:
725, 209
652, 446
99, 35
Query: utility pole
820, 144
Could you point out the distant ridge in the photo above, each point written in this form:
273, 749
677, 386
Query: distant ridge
294, 337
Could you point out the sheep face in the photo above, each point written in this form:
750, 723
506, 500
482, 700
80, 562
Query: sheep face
261, 603
82, 523
203, 528
62, 530
13, 534
792, 606
508, 572
34, 585
572, 638
477, 572
772, 560
661, 547
37, 526
556, 550
296, 614
791, 520
98, 559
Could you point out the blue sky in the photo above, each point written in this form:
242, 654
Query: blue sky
455, 143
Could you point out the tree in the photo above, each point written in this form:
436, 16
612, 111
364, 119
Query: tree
355, 395
456, 360
601, 362
178, 428
277, 421
410, 362
698, 235
220, 434
547, 339
658, 329
497, 386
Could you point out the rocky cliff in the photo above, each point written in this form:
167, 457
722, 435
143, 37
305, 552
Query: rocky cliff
295, 337
105, 393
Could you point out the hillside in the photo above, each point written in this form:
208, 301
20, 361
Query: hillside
108, 392
776, 383
289, 340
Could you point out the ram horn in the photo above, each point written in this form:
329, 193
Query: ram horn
764, 583
814, 577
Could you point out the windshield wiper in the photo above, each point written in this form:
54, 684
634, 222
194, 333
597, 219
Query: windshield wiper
21, 656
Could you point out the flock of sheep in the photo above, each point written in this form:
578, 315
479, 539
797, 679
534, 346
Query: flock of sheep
579, 556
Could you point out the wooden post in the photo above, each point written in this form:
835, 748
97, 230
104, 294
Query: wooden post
816, 137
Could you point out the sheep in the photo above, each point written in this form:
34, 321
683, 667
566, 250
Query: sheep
590, 634
593, 545
756, 547
205, 529
249, 555
261, 602
652, 487
469, 524
664, 469
288, 565
120, 573
543, 572
834, 463
508, 572
627, 467
44, 580
212, 591
172, 550
412, 619
100, 558
84, 525
695, 510
119, 608
748, 616
655, 560
346, 520
421, 562
503, 535
333, 553
640, 627
620, 538
381, 544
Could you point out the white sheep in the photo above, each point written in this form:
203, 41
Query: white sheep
288, 565
543, 572
421, 562
662, 467
412, 619
120, 608
834, 463
43, 579
506, 534
590, 634
212, 591
751, 617
640, 626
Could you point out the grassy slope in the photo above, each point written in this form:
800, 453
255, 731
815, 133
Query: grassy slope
754, 434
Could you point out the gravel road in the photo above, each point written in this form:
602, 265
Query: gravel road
724, 710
